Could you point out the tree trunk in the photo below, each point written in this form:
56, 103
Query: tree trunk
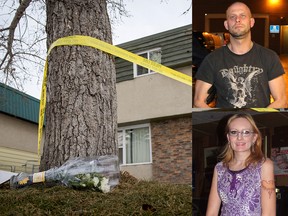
81, 109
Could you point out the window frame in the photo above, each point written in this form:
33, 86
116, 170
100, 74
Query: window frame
123, 131
135, 69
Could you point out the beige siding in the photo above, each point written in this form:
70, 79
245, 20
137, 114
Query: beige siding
153, 96
18, 144
18, 161
16, 133
142, 171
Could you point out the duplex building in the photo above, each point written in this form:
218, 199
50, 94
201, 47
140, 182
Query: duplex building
154, 114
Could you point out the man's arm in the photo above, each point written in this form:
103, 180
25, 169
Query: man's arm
201, 94
278, 91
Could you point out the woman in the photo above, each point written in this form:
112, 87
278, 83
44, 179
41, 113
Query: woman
244, 180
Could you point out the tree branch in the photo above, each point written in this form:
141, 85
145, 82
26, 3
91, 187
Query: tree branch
18, 15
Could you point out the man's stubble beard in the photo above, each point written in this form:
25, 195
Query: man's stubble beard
241, 34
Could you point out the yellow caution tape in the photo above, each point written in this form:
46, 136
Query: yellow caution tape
265, 109
114, 50
124, 54
42, 110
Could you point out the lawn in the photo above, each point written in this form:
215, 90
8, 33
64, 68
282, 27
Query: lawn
130, 197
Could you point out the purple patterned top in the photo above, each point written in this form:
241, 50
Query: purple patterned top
240, 191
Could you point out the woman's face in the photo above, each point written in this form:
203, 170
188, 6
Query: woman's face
241, 135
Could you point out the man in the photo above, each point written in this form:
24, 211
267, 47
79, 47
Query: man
244, 73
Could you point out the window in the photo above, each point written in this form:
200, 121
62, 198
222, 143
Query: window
154, 55
134, 144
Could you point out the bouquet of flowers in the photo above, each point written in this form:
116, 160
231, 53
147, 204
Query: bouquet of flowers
92, 181
99, 174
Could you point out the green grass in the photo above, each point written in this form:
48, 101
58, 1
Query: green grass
130, 197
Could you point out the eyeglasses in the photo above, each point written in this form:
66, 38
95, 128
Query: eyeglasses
244, 133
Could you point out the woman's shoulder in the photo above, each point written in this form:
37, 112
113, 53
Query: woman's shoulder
264, 163
267, 171
219, 165
267, 163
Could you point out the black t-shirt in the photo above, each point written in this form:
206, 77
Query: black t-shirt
241, 80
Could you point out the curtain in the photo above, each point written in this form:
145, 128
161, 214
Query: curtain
137, 145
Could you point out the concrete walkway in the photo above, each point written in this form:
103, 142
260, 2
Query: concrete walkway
284, 61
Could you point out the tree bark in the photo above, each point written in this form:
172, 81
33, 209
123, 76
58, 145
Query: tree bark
81, 109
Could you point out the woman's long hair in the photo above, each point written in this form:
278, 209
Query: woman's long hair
256, 150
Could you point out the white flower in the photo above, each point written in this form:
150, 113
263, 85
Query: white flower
104, 181
90, 181
96, 181
105, 187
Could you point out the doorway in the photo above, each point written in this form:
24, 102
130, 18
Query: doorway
284, 39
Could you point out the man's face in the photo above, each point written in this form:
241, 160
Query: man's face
238, 20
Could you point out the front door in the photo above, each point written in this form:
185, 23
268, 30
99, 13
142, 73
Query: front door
284, 39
